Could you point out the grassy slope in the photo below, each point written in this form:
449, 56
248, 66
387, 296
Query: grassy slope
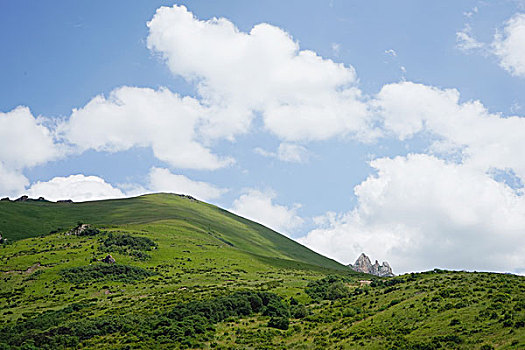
195, 260
432, 310
30, 219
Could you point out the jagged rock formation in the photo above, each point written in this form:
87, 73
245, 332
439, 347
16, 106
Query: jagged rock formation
363, 264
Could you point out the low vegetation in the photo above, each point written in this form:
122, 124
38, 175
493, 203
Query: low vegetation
104, 272
196, 291
135, 246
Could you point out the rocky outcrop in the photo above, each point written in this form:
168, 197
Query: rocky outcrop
83, 230
186, 196
363, 264
25, 198
79, 230
109, 259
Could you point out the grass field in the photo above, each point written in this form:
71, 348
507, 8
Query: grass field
173, 253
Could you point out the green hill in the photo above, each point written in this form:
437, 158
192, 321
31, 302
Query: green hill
20, 220
191, 275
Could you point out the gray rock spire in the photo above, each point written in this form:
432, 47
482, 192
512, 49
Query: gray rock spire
363, 264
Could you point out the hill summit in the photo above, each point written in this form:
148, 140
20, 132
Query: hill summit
363, 264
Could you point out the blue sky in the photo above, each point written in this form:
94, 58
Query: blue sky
390, 128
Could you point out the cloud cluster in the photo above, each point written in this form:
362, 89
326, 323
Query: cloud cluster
447, 208
141, 117
300, 95
443, 209
421, 212
483, 140
259, 206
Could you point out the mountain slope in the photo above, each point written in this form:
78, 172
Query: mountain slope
191, 275
20, 220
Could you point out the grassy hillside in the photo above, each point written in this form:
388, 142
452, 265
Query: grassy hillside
20, 220
190, 275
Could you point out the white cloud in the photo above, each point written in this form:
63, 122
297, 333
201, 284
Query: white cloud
86, 188
483, 140
336, 48
24, 142
469, 14
262, 152
162, 180
509, 46
289, 152
391, 52
466, 42
420, 212
286, 152
300, 95
141, 117
259, 206
75, 187
12, 182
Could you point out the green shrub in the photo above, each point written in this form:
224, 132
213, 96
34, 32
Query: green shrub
279, 322
129, 242
328, 288
298, 311
104, 272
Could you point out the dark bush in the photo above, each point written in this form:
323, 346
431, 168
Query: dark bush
129, 242
298, 311
328, 288
279, 322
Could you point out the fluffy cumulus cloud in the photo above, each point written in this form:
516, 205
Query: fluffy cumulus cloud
75, 187
141, 117
83, 188
12, 182
483, 140
422, 212
260, 207
25, 141
300, 95
509, 45
162, 180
